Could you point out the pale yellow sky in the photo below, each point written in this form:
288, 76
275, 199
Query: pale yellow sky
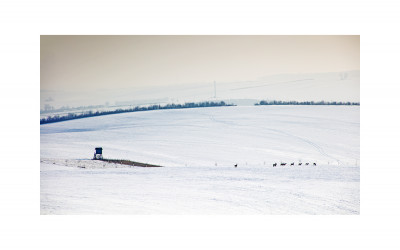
76, 63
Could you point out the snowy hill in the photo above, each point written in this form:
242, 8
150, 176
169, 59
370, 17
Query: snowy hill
199, 148
331, 86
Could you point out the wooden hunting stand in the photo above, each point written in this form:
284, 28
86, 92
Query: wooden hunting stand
98, 154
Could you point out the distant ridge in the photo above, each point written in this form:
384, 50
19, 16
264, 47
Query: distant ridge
72, 116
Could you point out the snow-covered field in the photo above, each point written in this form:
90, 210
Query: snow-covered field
199, 148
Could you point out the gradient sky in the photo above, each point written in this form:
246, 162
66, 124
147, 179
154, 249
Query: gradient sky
81, 63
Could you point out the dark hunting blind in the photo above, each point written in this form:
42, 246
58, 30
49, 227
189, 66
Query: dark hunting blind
98, 154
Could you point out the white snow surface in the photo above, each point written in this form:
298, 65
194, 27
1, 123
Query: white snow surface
198, 149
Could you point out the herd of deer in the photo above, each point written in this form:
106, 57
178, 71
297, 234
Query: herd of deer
284, 164
292, 164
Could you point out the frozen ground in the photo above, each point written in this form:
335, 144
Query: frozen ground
199, 148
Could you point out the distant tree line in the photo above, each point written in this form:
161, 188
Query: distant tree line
306, 103
71, 116
50, 109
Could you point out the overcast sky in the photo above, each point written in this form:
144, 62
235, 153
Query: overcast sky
74, 63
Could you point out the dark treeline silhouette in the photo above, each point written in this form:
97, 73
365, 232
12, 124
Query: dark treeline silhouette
306, 103
72, 116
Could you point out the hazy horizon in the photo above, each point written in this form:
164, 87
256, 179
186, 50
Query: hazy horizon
86, 70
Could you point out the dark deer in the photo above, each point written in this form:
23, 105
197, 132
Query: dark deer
283, 164
274, 165
307, 163
300, 163
235, 165
292, 164
315, 164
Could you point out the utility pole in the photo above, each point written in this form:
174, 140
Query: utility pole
215, 90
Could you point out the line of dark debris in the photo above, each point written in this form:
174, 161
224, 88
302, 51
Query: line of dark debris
129, 163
